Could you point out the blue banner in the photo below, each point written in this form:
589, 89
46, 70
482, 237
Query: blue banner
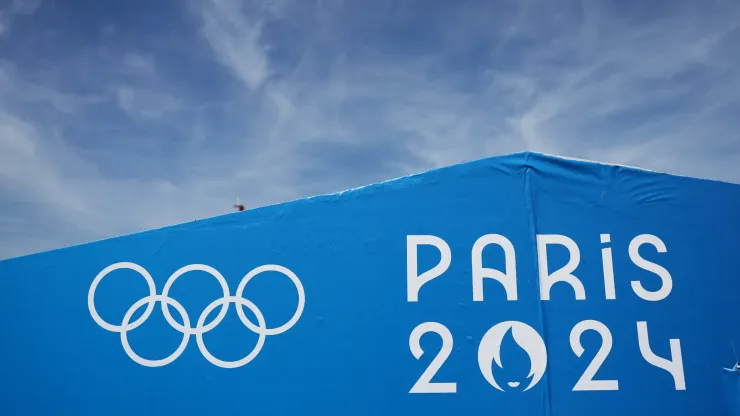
523, 284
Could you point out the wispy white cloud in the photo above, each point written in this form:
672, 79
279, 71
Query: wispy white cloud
15, 9
146, 103
275, 100
139, 62
236, 40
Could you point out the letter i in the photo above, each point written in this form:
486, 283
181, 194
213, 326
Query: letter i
608, 264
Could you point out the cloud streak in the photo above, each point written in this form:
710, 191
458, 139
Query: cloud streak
16, 9
146, 125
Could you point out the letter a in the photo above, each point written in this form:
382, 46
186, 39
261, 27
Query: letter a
507, 279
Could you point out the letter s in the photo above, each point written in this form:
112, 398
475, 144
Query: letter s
667, 286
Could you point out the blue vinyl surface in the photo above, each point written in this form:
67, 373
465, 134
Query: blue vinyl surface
358, 326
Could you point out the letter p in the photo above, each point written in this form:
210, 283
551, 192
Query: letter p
414, 280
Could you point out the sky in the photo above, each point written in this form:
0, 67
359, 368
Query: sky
119, 117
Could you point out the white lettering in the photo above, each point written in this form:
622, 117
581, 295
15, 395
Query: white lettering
608, 267
507, 279
565, 273
673, 366
424, 383
634, 251
586, 382
414, 281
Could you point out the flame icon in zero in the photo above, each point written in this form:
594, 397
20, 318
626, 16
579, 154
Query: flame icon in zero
526, 337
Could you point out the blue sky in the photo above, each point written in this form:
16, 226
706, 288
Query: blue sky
117, 117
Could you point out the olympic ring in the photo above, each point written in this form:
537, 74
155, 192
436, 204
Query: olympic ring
201, 327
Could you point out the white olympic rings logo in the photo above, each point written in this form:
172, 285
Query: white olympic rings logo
201, 327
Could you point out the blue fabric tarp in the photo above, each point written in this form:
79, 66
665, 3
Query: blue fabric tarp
524, 284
